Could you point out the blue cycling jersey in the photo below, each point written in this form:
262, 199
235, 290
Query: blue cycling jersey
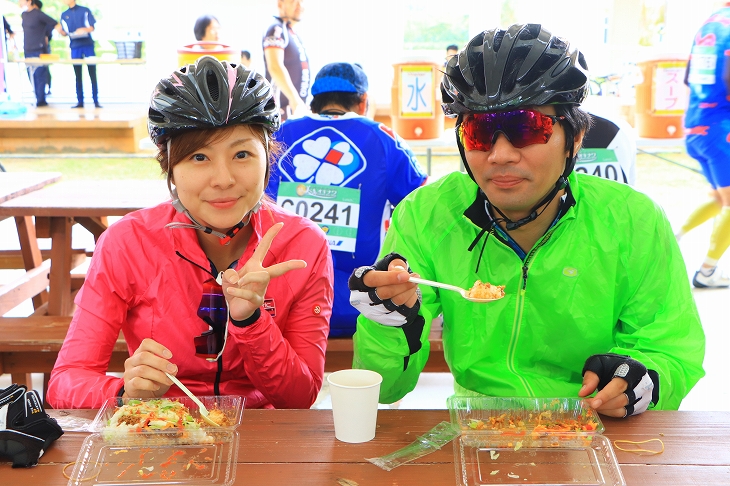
708, 93
345, 173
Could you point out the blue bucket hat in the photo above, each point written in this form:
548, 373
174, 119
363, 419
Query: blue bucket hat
342, 77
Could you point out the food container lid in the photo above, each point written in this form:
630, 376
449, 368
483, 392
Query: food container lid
493, 460
102, 463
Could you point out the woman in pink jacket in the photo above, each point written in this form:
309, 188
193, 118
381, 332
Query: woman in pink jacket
219, 287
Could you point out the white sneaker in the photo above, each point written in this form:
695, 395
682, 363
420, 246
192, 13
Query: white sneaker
715, 280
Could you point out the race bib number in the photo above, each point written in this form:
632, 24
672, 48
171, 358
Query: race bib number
335, 209
702, 65
601, 163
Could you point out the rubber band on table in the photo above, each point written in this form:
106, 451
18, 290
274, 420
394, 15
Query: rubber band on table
63, 471
634, 442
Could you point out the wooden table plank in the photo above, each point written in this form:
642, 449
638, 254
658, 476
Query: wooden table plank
88, 199
14, 184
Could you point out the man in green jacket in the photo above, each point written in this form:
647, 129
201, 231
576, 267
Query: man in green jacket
597, 297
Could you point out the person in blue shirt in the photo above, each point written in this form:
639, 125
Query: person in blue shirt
345, 172
78, 23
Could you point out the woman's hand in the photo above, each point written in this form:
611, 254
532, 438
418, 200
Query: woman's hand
144, 371
245, 289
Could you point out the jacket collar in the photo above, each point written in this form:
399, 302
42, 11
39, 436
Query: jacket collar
478, 212
185, 240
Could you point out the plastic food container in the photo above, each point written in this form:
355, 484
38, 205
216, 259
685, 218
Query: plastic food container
201, 455
536, 441
230, 406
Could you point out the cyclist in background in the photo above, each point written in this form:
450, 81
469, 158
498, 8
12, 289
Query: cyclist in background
361, 169
707, 129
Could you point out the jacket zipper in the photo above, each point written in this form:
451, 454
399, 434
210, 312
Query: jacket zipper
219, 370
518, 314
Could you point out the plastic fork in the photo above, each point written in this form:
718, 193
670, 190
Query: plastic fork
203, 410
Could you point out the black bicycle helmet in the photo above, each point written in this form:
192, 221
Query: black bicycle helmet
523, 65
211, 94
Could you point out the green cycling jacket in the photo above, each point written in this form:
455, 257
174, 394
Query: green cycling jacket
608, 277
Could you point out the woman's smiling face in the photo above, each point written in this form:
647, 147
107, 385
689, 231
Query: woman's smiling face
222, 181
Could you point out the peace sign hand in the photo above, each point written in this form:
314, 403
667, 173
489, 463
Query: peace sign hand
245, 289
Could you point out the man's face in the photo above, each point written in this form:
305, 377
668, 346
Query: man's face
516, 179
451, 53
291, 9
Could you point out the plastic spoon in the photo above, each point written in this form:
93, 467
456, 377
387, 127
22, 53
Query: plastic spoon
464, 293
203, 410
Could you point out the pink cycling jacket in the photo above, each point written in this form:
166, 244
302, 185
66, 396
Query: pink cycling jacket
147, 281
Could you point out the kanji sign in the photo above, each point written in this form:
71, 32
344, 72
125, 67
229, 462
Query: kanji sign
417, 95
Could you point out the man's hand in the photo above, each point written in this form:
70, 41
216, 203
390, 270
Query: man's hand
625, 386
383, 293
144, 371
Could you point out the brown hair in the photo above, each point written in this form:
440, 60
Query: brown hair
186, 142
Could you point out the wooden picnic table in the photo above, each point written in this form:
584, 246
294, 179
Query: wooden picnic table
286, 447
58, 207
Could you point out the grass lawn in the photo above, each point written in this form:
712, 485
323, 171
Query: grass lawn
87, 168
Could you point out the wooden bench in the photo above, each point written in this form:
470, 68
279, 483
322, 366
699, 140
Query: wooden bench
31, 345
73, 131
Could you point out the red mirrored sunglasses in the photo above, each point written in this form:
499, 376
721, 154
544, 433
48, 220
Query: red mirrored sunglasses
478, 131
214, 311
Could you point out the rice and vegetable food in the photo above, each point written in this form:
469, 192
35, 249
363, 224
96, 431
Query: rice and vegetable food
485, 290
171, 417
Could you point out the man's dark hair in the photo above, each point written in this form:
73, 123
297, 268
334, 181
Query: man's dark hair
246, 55
452, 47
342, 98
201, 25
576, 121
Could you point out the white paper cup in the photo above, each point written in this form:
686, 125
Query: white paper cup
355, 404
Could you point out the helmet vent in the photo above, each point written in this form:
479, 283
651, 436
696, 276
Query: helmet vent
530, 32
498, 40
212, 82
582, 61
184, 69
252, 83
169, 91
156, 116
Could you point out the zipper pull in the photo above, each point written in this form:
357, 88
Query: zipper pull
524, 277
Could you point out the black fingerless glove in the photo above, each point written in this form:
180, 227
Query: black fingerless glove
366, 299
26, 430
643, 384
